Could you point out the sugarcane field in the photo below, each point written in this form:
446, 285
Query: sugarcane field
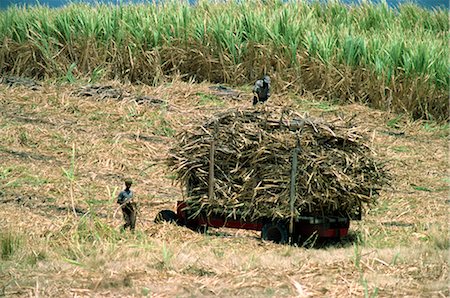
224, 149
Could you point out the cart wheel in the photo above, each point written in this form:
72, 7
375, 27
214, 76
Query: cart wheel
275, 232
198, 228
202, 229
166, 216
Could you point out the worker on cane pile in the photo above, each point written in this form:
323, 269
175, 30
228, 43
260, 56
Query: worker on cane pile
261, 90
129, 208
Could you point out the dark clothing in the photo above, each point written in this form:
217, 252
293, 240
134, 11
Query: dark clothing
129, 215
261, 90
129, 208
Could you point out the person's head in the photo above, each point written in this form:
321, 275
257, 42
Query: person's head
128, 182
266, 79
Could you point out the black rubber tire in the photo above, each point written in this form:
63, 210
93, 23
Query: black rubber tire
166, 216
194, 226
202, 229
276, 232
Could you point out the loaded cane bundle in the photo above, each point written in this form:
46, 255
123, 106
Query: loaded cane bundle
252, 159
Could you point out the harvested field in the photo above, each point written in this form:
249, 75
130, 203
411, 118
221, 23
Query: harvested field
58, 146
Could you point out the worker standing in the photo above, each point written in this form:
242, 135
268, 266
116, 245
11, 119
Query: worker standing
129, 208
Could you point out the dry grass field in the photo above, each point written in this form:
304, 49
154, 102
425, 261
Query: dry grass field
64, 150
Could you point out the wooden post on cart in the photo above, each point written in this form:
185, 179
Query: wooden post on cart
292, 190
212, 151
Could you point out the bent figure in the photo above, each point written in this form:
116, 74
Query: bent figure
261, 90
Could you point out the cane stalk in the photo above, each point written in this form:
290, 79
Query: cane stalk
70, 174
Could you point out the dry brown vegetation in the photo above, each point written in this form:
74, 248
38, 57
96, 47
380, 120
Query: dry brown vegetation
57, 145
253, 164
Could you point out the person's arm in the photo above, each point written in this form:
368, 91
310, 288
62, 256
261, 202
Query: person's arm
120, 198
127, 200
258, 85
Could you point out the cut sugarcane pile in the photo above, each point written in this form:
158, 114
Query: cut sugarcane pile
336, 173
